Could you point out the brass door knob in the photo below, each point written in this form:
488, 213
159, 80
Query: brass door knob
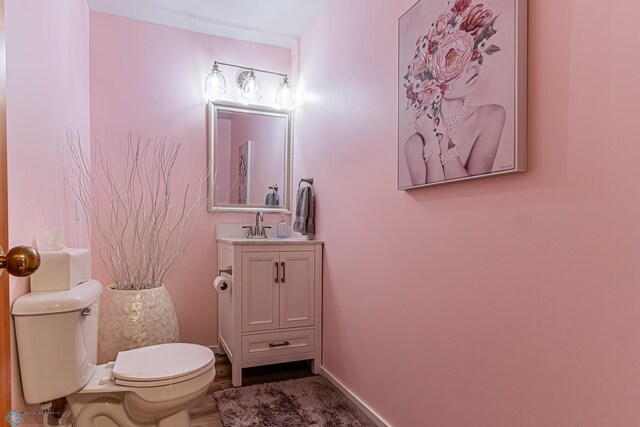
20, 261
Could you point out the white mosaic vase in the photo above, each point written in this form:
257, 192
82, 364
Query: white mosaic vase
134, 319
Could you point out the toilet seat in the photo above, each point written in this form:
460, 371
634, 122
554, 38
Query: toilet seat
162, 364
158, 383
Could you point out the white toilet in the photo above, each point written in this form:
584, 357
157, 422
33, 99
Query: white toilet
57, 348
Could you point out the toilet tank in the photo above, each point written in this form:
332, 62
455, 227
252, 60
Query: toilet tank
57, 336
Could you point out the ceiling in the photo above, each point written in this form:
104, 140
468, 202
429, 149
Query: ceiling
273, 22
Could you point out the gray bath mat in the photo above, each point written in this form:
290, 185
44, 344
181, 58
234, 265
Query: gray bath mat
311, 401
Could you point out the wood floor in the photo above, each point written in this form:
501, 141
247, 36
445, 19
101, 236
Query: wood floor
205, 413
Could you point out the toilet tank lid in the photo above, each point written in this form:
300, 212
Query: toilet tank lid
50, 302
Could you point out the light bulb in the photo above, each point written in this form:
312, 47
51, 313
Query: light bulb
215, 83
251, 88
284, 94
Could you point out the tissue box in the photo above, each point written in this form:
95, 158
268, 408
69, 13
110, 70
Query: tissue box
62, 270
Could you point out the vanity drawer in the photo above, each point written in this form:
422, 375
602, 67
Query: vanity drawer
277, 344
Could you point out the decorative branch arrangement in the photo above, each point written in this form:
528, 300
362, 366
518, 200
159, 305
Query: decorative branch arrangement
141, 217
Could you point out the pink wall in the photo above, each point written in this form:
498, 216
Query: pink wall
47, 93
509, 301
148, 79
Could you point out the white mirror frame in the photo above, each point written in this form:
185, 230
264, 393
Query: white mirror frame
214, 107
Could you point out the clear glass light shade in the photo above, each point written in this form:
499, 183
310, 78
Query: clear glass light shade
215, 83
284, 95
251, 88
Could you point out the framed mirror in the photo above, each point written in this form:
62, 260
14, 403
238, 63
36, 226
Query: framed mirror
249, 158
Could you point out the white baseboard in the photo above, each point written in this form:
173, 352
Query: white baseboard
214, 348
370, 413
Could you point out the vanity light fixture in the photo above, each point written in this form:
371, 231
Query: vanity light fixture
249, 85
284, 94
215, 83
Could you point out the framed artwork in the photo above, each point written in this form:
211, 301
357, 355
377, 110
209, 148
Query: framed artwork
245, 153
461, 91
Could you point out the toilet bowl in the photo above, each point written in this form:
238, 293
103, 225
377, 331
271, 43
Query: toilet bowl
154, 385
145, 387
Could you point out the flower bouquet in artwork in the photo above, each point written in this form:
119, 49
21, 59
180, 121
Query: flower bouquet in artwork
460, 35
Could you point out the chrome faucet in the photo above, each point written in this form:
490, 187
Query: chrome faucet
256, 229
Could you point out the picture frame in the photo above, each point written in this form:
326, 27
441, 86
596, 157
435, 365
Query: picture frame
462, 91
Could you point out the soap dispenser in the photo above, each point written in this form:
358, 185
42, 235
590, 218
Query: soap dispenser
282, 228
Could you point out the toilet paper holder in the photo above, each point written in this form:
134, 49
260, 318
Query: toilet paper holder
228, 270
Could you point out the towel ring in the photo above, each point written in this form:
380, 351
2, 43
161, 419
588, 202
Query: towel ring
307, 180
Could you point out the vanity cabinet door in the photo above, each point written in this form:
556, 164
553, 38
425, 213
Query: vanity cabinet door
260, 300
297, 296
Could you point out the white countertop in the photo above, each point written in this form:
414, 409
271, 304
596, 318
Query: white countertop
235, 234
269, 241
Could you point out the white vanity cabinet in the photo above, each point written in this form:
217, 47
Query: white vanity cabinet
272, 312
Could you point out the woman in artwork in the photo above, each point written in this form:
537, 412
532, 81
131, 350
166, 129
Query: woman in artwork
452, 139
